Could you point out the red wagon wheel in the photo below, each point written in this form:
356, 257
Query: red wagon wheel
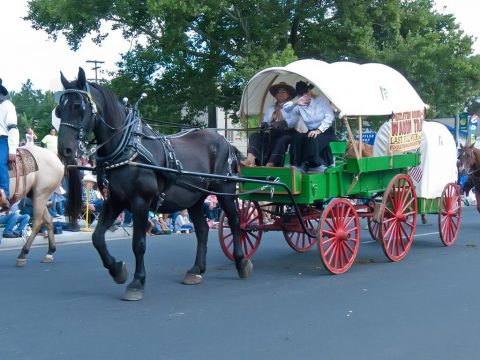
298, 240
373, 229
449, 214
399, 217
251, 223
339, 236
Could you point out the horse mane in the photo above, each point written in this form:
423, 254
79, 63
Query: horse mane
113, 111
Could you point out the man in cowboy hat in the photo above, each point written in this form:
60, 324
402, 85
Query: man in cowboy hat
313, 119
95, 200
269, 148
9, 139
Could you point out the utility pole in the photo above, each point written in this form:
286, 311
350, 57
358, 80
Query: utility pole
96, 67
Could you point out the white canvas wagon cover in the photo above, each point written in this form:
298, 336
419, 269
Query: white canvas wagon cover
353, 89
438, 158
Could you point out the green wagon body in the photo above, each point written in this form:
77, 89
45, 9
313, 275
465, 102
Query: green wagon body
356, 178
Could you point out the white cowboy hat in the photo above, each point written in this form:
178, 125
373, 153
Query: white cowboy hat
59, 190
89, 177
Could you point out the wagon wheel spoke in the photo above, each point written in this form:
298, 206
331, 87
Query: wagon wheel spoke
407, 206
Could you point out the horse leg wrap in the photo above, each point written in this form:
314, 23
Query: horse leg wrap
47, 259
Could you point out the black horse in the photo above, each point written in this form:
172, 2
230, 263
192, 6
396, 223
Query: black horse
87, 108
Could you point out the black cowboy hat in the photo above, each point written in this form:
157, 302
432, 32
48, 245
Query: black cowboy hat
3, 89
301, 87
282, 85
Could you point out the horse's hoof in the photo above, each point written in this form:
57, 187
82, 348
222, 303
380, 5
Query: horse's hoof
132, 295
245, 269
123, 276
192, 279
47, 259
21, 262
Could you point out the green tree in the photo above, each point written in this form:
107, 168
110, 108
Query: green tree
34, 109
193, 55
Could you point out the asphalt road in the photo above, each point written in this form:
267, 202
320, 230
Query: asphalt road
424, 307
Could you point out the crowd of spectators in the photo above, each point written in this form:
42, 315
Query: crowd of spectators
17, 219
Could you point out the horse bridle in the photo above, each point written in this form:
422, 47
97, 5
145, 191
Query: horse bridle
82, 138
95, 115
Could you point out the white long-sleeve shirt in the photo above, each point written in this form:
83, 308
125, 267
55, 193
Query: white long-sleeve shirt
316, 115
8, 117
267, 117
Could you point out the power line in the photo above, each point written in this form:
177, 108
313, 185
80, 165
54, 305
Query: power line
96, 67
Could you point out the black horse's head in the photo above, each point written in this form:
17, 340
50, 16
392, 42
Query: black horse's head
77, 112
467, 160
83, 109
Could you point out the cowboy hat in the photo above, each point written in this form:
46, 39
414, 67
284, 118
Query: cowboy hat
3, 89
89, 177
282, 85
301, 87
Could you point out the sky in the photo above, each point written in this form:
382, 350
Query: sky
30, 54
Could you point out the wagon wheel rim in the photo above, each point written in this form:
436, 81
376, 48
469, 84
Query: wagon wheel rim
339, 236
449, 214
298, 240
373, 229
251, 223
399, 217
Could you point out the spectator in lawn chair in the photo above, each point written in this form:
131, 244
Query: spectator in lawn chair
182, 222
14, 222
95, 200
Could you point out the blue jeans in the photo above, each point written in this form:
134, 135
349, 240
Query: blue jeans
4, 179
9, 221
22, 221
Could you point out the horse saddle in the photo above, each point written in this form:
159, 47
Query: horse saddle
23, 165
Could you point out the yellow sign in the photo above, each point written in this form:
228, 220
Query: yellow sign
406, 131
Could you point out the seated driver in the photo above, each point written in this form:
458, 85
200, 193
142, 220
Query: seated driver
267, 148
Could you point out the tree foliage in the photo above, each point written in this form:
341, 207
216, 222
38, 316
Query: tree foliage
191, 55
34, 109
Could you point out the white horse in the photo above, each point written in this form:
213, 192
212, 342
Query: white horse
39, 171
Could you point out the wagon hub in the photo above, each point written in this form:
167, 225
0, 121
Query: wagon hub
401, 217
342, 235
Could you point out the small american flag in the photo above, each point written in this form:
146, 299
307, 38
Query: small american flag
416, 173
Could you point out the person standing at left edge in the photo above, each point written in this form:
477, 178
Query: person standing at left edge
9, 139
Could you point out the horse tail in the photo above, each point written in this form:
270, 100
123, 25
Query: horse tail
73, 206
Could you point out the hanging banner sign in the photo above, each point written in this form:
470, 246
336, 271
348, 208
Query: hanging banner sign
473, 123
463, 119
406, 131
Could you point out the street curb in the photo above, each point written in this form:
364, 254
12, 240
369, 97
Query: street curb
60, 239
